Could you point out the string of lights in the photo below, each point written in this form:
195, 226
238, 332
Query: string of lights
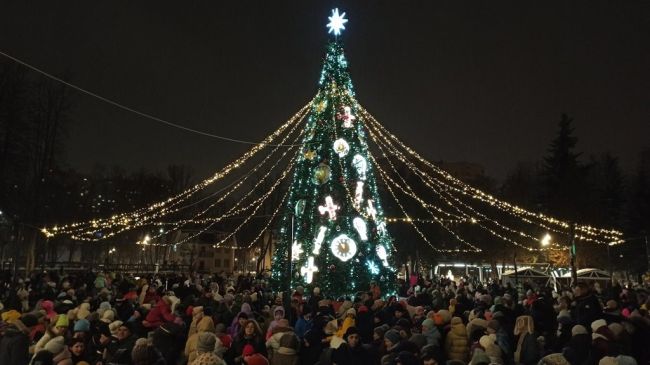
249, 173
468, 217
127, 219
386, 180
144, 222
259, 202
445, 191
609, 235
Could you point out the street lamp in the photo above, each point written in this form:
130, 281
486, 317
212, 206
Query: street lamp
545, 241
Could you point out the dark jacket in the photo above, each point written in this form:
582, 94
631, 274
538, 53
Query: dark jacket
14, 346
586, 310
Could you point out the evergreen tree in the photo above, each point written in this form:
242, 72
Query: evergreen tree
334, 221
563, 176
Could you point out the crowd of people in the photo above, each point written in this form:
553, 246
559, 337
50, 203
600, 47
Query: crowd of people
121, 319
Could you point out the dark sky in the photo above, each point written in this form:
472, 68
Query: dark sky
479, 81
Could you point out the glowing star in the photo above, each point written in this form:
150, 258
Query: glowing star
296, 251
347, 117
318, 242
308, 270
361, 165
343, 247
358, 195
382, 254
372, 212
336, 23
360, 225
329, 208
373, 267
341, 147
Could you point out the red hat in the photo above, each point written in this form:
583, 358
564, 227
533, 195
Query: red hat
257, 359
248, 350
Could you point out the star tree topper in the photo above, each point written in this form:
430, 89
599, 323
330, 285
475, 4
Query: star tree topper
337, 22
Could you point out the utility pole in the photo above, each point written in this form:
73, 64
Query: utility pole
572, 242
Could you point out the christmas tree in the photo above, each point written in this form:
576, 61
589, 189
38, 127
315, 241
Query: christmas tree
333, 222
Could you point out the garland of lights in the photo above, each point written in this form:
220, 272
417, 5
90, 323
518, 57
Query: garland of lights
469, 218
423, 176
237, 184
258, 202
504, 206
232, 210
412, 223
126, 219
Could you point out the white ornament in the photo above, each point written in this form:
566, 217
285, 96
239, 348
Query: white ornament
341, 147
343, 247
372, 212
296, 251
373, 267
360, 225
381, 228
358, 195
336, 23
361, 165
347, 117
318, 242
329, 207
308, 270
382, 254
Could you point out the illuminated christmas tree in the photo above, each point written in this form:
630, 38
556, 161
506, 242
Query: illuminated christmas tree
333, 220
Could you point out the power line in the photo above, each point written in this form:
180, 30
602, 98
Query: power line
129, 109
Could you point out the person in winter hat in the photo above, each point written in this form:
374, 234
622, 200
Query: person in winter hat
349, 321
197, 315
457, 343
492, 350
601, 341
527, 350
431, 333
207, 357
61, 355
144, 353
205, 325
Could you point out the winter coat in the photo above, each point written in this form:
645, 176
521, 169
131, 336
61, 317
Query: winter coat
158, 315
207, 358
587, 309
302, 326
14, 345
577, 350
287, 352
527, 351
62, 358
456, 343
204, 325
119, 352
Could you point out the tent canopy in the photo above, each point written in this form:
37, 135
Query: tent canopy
526, 272
590, 274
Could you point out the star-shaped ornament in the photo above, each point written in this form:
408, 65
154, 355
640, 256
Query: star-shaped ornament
337, 22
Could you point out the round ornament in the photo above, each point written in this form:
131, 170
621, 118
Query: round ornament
343, 247
341, 147
322, 174
300, 206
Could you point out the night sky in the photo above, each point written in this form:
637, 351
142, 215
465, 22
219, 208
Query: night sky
481, 81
